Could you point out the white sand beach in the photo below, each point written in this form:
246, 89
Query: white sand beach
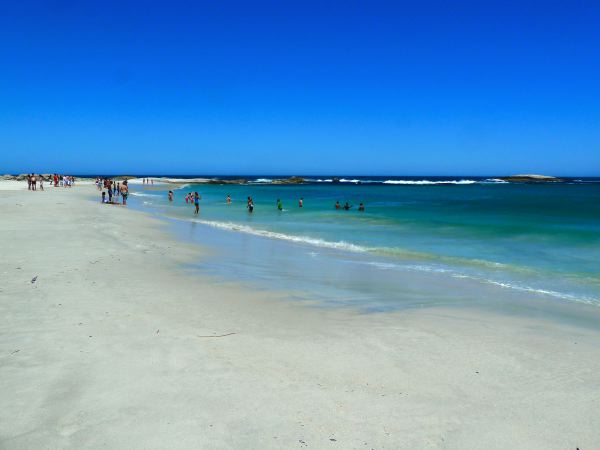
108, 341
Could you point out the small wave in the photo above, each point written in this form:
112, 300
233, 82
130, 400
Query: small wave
348, 246
495, 180
262, 180
143, 194
580, 299
516, 287
229, 226
418, 267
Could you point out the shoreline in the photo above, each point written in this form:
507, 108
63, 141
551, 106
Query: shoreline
108, 348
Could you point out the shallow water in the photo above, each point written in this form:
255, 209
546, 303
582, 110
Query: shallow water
419, 242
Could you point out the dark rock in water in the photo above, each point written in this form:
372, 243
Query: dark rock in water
219, 181
291, 180
531, 178
335, 180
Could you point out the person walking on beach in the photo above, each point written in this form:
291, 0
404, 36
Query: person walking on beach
33, 182
196, 203
124, 192
41, 183
110, 192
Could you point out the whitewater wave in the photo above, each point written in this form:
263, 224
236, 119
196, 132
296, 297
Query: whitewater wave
427, 182
338, 245
400, 182
143, 194
262, 180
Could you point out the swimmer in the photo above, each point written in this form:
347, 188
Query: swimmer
301, 202
361, 207
337, 205
347, 206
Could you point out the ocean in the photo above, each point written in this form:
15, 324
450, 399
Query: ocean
421, 241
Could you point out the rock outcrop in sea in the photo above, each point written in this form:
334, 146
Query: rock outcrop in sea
531, 178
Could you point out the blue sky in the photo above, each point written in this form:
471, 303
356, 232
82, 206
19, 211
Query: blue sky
218, 87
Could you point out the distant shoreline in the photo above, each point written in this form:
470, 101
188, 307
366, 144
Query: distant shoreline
327, 179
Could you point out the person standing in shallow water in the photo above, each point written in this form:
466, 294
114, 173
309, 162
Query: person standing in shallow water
170, 196
301, 202
229, 199
196, 203
124, 192
279, 205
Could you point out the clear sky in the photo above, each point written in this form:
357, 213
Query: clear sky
344, 87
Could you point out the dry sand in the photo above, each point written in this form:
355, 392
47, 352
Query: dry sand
108, 349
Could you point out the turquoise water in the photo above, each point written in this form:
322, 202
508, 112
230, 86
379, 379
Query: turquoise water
416, 242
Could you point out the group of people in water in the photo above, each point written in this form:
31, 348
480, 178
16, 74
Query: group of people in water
347, 206
194, 198
34, 180
190, 198
112, 189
